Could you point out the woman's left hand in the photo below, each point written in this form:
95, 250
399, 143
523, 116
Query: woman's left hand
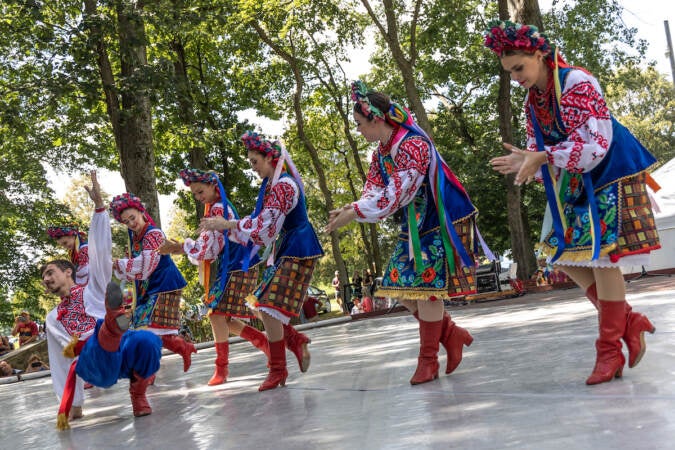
218, 223
338, 218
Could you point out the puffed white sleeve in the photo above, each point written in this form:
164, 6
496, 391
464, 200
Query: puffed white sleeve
588, 125
141, 266
264, 229
378, 200
209, 244
100, 263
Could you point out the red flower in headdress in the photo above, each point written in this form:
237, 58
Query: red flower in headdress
506, 35
126, 201
57, 231
253, 141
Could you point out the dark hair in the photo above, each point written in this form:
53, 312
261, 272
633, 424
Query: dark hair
379, 100
62, 264
6, 371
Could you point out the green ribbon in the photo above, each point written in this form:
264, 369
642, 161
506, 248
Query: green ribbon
415, 237
447, 244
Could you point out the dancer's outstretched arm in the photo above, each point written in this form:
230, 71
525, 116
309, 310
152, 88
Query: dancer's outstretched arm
100, 253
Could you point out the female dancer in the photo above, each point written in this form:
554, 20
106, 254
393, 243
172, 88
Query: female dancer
221, 265
75, 241
595, 174
280, 223
434, 255
157, 281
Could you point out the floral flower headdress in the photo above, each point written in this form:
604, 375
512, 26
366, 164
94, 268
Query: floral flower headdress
126, 201
253, 141
360, 95
67, 229
190, 176
505, 35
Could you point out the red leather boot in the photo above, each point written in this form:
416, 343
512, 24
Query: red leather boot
609, 360
115, 322
139, 402
636, 326
297, 342
258, 339
178, 345
427, 362
454, 338
220, 374
278, 373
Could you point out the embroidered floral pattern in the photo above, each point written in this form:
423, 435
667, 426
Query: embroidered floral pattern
578, 232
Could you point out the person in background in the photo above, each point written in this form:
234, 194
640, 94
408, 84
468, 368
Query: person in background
310, 309
5, 345
595, 176
356, 309
357, 283
35, 364
6, 369
367, 304
74, 241
25, 328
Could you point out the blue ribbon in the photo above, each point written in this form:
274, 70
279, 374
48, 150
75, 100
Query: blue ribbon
250, 247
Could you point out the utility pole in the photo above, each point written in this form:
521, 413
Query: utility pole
670, 51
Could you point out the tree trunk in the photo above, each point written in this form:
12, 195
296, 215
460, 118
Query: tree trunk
186, 112
128, 106
137, 157
406, 65
521, 245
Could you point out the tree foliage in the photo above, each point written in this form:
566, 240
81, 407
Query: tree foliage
199, 65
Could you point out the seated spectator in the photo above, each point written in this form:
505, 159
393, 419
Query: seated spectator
310, 308
367, 304
5, 345
25, 328
539, 278
6, 369
357, 309
35, 364
557, 276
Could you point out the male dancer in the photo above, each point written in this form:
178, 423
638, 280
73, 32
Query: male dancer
112, 353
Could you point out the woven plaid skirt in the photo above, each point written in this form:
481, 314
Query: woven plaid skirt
233, 301
160, 310
284, 286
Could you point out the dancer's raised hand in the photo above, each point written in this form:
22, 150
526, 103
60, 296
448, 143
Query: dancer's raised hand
95, 191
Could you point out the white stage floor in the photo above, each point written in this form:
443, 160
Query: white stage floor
520, 385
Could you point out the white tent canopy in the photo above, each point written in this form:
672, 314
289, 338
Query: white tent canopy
665, 220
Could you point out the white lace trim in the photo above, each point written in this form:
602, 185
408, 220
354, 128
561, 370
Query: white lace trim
271, 312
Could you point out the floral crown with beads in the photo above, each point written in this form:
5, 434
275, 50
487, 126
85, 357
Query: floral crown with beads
253, 141
503, 35
360, 96
125, 201
190, 176
67, 229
